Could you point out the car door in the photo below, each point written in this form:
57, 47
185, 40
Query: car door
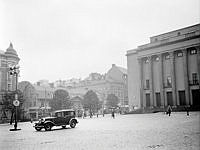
59, 118
67, 116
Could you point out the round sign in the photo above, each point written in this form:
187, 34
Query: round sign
16, 103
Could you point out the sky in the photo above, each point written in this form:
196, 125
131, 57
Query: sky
64, 39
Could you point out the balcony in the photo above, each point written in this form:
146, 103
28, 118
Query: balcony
167, 85
193, 82
146, 87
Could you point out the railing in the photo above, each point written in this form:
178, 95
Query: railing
193, 82
146, 87
167, 85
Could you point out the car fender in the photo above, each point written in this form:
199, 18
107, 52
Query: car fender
49, 122
72, 120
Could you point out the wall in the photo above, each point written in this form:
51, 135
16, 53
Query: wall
133, 81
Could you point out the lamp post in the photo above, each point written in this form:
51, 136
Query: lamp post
15, 71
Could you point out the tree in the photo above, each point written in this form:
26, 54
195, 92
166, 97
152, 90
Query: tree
112, 101
7, 103
91, 101
60, 100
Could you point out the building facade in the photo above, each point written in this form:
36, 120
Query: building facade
8, 83
37, 99
113, 82
166, 71
7, 59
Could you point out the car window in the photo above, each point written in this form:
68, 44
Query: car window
59, 114
68, 113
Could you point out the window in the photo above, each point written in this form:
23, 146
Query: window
190, 34
180, 54
59, 114
147, 84
167, 56
193, 51
194, 78
9, 87
42, 104
68, 113
169, 81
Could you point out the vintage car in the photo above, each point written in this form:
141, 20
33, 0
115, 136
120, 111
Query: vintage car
59, 118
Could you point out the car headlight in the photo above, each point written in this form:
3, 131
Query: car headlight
42, 120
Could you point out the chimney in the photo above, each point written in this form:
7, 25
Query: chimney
113, 65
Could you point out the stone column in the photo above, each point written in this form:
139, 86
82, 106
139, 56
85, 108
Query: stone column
161, 80
186, 78
141, 82
151, 80
173, 77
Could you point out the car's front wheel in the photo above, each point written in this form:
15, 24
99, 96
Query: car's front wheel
38, 129
48, 127
72, 124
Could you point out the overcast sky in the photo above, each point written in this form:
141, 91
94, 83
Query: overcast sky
63, 39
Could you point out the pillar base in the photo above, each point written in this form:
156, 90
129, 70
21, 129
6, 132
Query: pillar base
15, 129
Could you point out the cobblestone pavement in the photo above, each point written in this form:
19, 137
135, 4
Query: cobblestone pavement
126, 132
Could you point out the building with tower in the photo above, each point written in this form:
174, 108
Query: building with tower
8, 83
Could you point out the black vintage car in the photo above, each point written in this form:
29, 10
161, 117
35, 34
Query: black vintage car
60, 118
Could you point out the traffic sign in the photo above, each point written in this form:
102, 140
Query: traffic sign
16, 103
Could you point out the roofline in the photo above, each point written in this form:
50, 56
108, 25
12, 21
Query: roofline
176, 30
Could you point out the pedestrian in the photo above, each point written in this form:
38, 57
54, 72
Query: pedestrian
169, 110
187, 110
113, 114
90, 114
83, 114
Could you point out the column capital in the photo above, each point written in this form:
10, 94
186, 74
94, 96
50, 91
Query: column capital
139, 60
171, 54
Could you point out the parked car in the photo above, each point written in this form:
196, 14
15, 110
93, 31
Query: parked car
60, 118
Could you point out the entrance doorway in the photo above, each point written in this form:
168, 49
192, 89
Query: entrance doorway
169, 98
196, 97
182, 98
148, 100
158, 99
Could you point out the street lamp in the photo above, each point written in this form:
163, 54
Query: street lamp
15, 71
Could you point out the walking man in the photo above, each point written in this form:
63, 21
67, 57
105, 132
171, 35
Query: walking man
169, 110
113, 114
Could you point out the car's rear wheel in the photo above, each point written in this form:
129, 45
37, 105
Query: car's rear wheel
48, 127
72, 124
38, 129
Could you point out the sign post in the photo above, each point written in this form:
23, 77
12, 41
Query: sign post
15, 71
16, 104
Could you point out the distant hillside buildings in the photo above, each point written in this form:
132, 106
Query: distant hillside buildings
166, 71
39, 95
